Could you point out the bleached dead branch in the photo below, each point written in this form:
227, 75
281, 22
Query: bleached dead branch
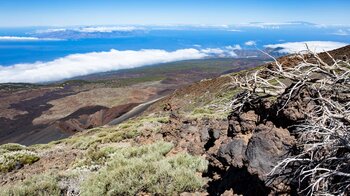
321, 166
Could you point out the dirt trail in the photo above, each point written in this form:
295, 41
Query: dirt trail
135, 111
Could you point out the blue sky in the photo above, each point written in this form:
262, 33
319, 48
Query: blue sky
105, 12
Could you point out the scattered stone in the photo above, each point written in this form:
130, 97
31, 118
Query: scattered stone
216, 134
205, 135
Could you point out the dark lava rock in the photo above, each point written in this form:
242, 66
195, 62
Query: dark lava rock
266, 147
233, 153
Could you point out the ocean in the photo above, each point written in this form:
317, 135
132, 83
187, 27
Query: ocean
35, 51
29, 51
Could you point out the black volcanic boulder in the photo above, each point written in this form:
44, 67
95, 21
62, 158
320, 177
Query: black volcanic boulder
254, 144
266, 147
233, 152
259, 152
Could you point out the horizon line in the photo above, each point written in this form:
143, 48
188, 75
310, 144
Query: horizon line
269, 23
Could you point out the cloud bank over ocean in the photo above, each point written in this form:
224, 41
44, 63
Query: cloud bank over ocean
15, 38
94, 62
250, 43
342, 32
93, 29
315, 46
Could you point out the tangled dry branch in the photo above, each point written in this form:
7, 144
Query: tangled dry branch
321, 163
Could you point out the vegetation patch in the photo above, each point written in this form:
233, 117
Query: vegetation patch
16, 159
127, 130
95, 156
146, 169
15, 156
43, 185
11, 147
218, 106
104, 135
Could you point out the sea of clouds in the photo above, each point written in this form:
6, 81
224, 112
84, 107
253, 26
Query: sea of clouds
93, 29
94, 62
17, 38
314, 46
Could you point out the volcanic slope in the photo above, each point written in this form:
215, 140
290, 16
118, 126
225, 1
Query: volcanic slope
31, 114
216, 136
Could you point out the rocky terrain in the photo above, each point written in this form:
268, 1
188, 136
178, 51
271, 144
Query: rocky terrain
240, 133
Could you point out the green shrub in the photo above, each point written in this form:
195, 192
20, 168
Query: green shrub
164, 120
190, 162
127, 130
12, 147
41, 185
9, 160
94, 156
103, 135
147, 169
120, 135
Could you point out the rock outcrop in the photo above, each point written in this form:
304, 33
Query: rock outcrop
267, 127
254, 144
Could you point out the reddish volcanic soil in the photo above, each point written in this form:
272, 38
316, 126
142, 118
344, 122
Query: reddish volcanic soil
34, 121
31, 114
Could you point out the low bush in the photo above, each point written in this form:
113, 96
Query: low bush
12, 147
11, 160
127, 130
43, 185
15, 155
147, 169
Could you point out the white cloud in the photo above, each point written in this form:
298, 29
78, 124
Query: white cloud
268, 25
51, 30
341, 32
250, 43
224, 26
235, 47
330, 25
315, 46
213, 51
234, 30
219, 52
14, 38
94, 62
107, 29
253, 56
231, 54
94, 29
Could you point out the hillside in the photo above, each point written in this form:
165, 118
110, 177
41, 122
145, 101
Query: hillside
222, 135
31, 114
